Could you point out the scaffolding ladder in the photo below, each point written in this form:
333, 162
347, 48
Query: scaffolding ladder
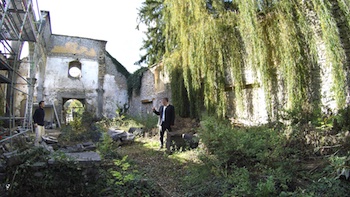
18, 24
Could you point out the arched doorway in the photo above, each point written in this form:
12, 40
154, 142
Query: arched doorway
72, 109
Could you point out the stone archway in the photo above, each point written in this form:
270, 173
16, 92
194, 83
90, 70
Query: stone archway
72, 108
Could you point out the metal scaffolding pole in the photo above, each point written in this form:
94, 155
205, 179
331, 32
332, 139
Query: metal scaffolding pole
17, 25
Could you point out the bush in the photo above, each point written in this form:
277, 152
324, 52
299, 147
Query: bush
250, 161
108, 148
82, 129
343, 118
242, 146
147, 122
122, 179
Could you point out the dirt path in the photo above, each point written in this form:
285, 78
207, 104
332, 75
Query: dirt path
165, 170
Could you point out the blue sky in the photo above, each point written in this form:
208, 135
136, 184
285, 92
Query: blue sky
112, 20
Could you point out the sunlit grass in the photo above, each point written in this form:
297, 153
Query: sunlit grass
186, 156
152, 145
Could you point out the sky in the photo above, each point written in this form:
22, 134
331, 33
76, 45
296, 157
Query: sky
112, 20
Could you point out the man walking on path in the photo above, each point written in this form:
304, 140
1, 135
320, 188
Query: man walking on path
166, 115
38, 117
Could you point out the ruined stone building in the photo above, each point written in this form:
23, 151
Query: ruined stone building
68, 67
155, 85
74, 68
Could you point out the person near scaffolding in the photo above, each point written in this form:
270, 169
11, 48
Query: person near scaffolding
39, 123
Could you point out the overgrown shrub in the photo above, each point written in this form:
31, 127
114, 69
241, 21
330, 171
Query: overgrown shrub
81, 129
343, 118
108, 148
242, 146
63, 178
265, 161
122, 179
146, 122
134, 81
250, 161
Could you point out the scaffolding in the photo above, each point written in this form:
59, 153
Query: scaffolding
20, 21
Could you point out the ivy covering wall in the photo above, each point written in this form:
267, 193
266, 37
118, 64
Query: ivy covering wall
209, 40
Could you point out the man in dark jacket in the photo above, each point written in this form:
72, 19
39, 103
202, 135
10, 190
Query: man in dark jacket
166, 115
38, 118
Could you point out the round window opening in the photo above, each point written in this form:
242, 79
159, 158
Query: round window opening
74, 72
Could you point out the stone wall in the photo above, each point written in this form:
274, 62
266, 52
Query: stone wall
100, 86
115, 90
154, 87
20, 96
255, 109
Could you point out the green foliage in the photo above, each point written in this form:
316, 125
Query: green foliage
203, 43
146, 122
65, 178
75, 107
134, 81
123, 179
202, 181
179, 94
151, 15
340, 162
327, 186
244, 146
81, 129
266, 188
343, 118
239, 153
119, 66
107, 148
335, 51
261, 161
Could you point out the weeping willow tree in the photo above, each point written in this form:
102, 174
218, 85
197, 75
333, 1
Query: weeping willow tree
202, 44
335, 51
207, 42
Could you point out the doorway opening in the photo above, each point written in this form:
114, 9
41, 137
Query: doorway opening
73, 109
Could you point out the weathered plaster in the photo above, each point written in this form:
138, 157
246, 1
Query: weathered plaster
74, 48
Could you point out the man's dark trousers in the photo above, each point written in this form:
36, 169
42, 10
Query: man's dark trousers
164, 127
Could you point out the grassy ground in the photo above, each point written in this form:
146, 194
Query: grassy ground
254, 161
164, 169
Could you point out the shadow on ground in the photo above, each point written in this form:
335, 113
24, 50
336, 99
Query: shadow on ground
167, 170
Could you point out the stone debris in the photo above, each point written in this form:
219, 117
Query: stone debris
139, 132
2, 167
38, 165
86, 146
89, 156
47, 147
49, 139
89, 146
120, 135
81, 157
12, 158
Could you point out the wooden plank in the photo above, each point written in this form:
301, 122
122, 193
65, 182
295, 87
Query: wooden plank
58, 120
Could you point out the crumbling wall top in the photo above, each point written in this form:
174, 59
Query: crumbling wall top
76, 47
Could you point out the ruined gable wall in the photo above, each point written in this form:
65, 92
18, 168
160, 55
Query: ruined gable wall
58, 85
154, 87
115, 90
